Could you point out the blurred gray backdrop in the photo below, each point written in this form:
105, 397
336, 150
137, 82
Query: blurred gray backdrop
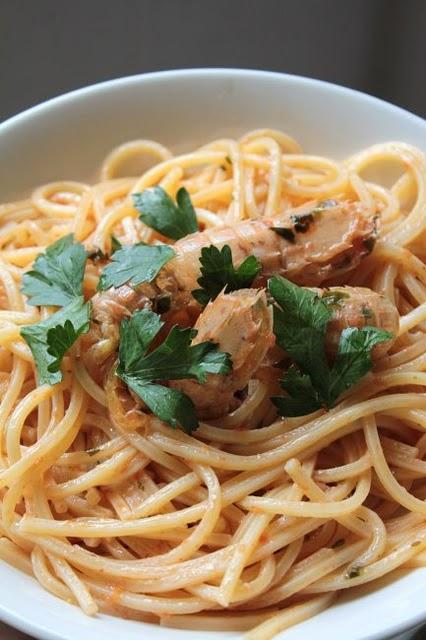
48, 47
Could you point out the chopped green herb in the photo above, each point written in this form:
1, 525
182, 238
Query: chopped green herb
338, 543
286, 233
115, 244
135, 264
366, 312
174, 359
93, 452
158, 211
162, 303
300, 325
302, 222
369, 243
355, 572
218, 273
228, 159
334, 299
50, 339
57, 274
96, 255
344, 262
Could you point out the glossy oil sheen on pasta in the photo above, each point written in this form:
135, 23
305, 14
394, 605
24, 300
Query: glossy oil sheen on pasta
238, 526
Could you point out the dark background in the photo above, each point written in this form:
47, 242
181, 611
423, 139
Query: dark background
48, 47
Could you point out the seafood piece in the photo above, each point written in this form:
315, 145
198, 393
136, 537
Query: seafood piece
109, 309
359, 307
308, 245
241, 324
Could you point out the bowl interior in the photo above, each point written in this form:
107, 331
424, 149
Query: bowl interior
66, 138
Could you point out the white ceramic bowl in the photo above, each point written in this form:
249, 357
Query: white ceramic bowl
68, 136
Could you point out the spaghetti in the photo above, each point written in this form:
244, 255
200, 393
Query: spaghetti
237, 526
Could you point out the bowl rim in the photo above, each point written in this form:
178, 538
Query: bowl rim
10, 617
87, 90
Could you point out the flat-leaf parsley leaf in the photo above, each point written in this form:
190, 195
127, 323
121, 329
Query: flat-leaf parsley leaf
135, 264
218, 273
57, 274
50, 339
158, 211
174, 359
115, 244
300, 325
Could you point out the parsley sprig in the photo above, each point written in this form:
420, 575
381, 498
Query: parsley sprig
135, 264
176, 358
115, 244
57, 275
300, 325
50, 339
218, 273
56, 280
158, 211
